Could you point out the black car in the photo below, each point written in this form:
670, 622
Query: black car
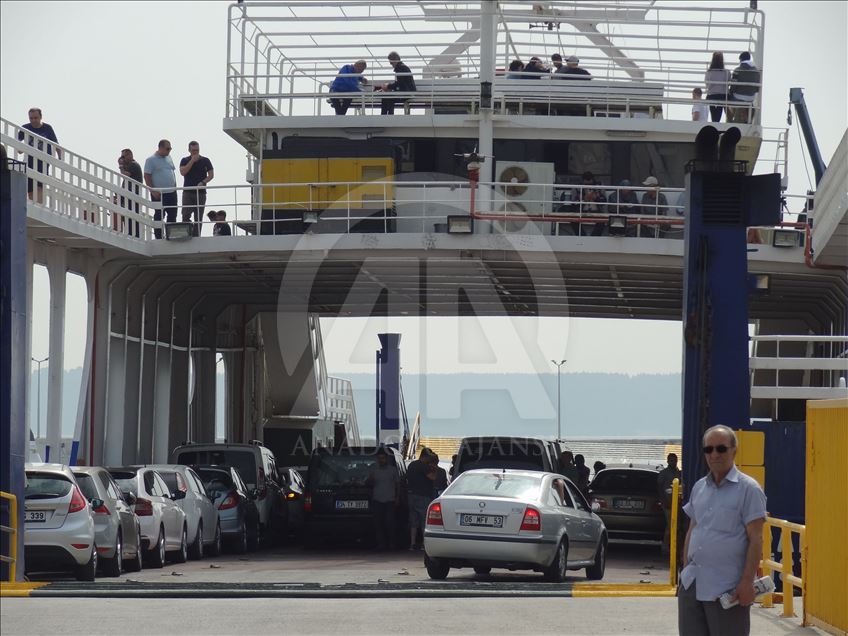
337, 498
236, 505
523, 453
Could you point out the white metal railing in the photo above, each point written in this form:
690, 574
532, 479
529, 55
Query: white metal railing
825, 354
335, 395
290, 52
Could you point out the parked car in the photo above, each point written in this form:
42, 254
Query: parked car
337, 499
521, 453
236, 507
58, 525
294, 487
628, 502
200, 511
117, 530
257, 467
514, 519
163, 524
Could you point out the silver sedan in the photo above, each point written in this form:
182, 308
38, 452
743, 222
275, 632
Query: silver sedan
514, 519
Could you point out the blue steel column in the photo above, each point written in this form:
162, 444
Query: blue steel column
388, 390
14, 361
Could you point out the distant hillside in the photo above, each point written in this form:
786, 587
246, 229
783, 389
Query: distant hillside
593, 404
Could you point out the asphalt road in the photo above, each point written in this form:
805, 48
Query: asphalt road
598, 616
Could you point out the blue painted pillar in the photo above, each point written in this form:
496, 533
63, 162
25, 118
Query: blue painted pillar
14, 365
388, 390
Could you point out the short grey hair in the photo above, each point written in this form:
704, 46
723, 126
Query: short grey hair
722, 429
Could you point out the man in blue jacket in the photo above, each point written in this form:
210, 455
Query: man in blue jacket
347, 81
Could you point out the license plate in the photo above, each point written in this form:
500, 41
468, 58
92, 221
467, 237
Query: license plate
486, 521
628, 504
36, 516
358, 504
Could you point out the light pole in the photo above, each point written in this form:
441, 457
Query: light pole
38, 398
559, 411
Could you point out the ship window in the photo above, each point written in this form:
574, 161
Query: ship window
665, 161
591, 157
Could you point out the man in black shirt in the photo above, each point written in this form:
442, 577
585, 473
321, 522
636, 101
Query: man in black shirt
420, 478
197, 171
403, 82
132, 170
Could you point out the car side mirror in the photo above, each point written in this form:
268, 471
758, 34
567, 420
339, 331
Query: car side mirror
180, 494
96, 503
129, 498
595, 506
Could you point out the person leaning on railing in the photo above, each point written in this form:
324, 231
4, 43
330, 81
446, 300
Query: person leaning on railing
744, 86
717, 79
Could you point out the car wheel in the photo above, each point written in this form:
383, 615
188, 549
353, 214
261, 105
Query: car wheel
240, 542
436, 568
195, 550
215, 548
181, 555
482, 570
556, 571
135, 565
596, 571
114, 566
157, 555
88, 572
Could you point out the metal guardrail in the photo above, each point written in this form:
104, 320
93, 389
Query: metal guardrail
769, 565
12, 531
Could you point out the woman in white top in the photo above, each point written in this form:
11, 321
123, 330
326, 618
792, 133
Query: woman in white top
717, 79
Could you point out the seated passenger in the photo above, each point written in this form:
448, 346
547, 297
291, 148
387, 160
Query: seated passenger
573, 71
515, 67
347, 81
625, 202
654, 203
590, 201
403, 82
535, 68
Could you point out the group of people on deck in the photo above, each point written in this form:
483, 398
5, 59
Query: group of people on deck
724, 87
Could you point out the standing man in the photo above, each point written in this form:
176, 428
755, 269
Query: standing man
727, 510
37, 127
664, 482
403, 82
159, 173
420, 477
134, 176
347, 81
385, 499
197, 171
744, 86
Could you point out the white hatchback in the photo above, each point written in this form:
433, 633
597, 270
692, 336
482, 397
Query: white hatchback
163, 524
58, 525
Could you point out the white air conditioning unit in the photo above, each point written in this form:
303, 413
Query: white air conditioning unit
529, 184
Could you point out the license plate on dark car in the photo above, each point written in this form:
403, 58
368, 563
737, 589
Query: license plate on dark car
357, 504
628, 504
485, 521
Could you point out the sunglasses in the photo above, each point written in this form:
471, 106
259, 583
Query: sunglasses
721, 448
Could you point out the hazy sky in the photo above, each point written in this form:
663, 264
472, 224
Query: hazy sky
114, 74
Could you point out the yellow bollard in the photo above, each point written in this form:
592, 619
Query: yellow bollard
786, 571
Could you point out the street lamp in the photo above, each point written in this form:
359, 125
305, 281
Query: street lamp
38, 398
559, 411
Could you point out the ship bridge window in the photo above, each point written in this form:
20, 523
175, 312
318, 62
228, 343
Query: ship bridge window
591, 157
665, 161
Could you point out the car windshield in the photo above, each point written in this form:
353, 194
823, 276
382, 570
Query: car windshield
625, 481
502, 453
338, 470
46, 486
243, 460
496, 484
126, 481
86, 484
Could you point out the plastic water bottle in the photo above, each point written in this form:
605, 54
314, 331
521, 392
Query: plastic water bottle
762, 585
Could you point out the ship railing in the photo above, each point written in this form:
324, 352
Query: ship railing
297, 48
785, 366
545, 95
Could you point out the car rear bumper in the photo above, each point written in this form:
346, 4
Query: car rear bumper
230, 522
343, 525
49, 558
463, 549
634, 525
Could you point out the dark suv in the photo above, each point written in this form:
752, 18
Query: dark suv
337, 498
523, 453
